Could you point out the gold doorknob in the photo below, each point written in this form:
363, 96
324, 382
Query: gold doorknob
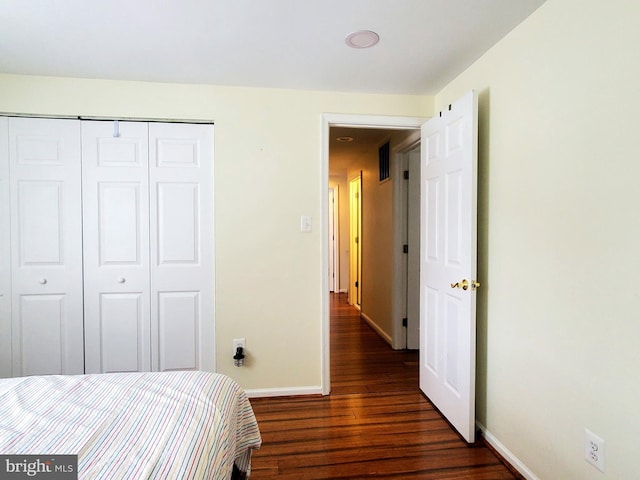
464, 284
475, 284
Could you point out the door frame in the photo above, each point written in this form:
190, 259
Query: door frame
400, 237
334, 250
342, 120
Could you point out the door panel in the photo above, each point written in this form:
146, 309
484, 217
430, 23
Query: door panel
41, 342
5, 253
447, 366
182, 289
46, 260
178, 223
116, 244
40, 209
179, 323
120, 218
122, 329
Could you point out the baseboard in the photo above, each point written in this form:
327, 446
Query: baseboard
282, 392
505, 453
378, 330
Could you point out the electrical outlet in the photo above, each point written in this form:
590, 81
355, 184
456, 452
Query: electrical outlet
594, 449
239, 342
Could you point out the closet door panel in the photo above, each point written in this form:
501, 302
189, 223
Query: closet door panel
46, 253
5, 254
40, 207
182, 268
178, 223
179, 324
42, 343
122, 328
116, 246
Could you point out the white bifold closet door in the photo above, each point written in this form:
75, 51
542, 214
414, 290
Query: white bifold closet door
5, 253
148, 245
46, 246
115, 184
182, 262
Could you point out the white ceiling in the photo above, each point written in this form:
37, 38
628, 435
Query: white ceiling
295, 44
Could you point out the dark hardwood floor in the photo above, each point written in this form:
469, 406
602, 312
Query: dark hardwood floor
375, 424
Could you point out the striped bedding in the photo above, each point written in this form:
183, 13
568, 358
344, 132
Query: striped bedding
171, 425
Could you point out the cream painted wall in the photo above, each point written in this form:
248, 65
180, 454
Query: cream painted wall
377, 246
558, 321
267, 174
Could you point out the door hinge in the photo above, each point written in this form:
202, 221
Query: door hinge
405, 322
405, 249
405, 174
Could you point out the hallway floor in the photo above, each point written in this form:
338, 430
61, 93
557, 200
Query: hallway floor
375, 424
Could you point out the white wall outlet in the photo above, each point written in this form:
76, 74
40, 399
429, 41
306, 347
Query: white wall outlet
594, 449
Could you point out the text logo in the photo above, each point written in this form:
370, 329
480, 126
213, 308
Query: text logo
50, 467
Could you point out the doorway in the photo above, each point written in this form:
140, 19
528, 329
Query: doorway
350, 121
355, 242
334, 235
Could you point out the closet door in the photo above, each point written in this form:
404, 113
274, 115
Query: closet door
5, 253
182, 269
46, 246
116, 246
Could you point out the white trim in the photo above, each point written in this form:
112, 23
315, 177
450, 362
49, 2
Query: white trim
123, 119
377, 328
372, 121
327, 120
507, 454
325, 371
283, 392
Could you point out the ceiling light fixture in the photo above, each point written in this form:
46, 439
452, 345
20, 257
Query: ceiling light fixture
362, 39
345, 139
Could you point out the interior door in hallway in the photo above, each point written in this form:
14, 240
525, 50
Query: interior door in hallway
355, 241
448, 263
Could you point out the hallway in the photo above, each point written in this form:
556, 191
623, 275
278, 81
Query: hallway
361, 361
375, 423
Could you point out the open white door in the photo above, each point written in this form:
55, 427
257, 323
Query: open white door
448, 263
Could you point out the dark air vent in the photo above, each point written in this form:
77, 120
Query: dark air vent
383, 158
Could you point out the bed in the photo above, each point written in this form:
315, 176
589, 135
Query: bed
170, 425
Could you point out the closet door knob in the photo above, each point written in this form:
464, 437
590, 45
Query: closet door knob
43, 281
121, 279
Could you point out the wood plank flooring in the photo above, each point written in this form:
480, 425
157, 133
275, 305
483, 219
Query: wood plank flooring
375, 424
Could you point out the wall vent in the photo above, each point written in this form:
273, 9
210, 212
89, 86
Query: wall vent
383, 160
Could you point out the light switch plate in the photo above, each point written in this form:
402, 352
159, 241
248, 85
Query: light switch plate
306, 224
